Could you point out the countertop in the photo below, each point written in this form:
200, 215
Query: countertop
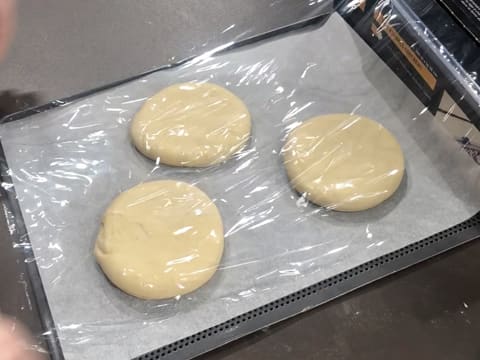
63, 47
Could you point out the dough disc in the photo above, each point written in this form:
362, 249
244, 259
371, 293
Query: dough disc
344, 162
160, 239
192, 125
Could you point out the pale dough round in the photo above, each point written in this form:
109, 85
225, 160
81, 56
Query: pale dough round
192, 125
160, 239
343, 162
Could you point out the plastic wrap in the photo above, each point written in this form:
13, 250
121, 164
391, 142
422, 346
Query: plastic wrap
68, 164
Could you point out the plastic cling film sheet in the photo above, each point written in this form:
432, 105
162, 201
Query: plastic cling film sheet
68, 165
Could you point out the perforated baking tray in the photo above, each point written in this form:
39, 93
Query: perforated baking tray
283, 306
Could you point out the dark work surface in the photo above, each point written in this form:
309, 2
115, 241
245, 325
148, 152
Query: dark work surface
430, 311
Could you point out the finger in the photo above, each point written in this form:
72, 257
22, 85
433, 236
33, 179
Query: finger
7, 21
15, 342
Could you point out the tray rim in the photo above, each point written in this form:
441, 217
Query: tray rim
319, 293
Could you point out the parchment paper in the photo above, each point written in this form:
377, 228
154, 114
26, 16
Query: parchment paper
67, 165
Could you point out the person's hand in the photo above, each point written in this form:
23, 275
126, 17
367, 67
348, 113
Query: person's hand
15, 343
7, 22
